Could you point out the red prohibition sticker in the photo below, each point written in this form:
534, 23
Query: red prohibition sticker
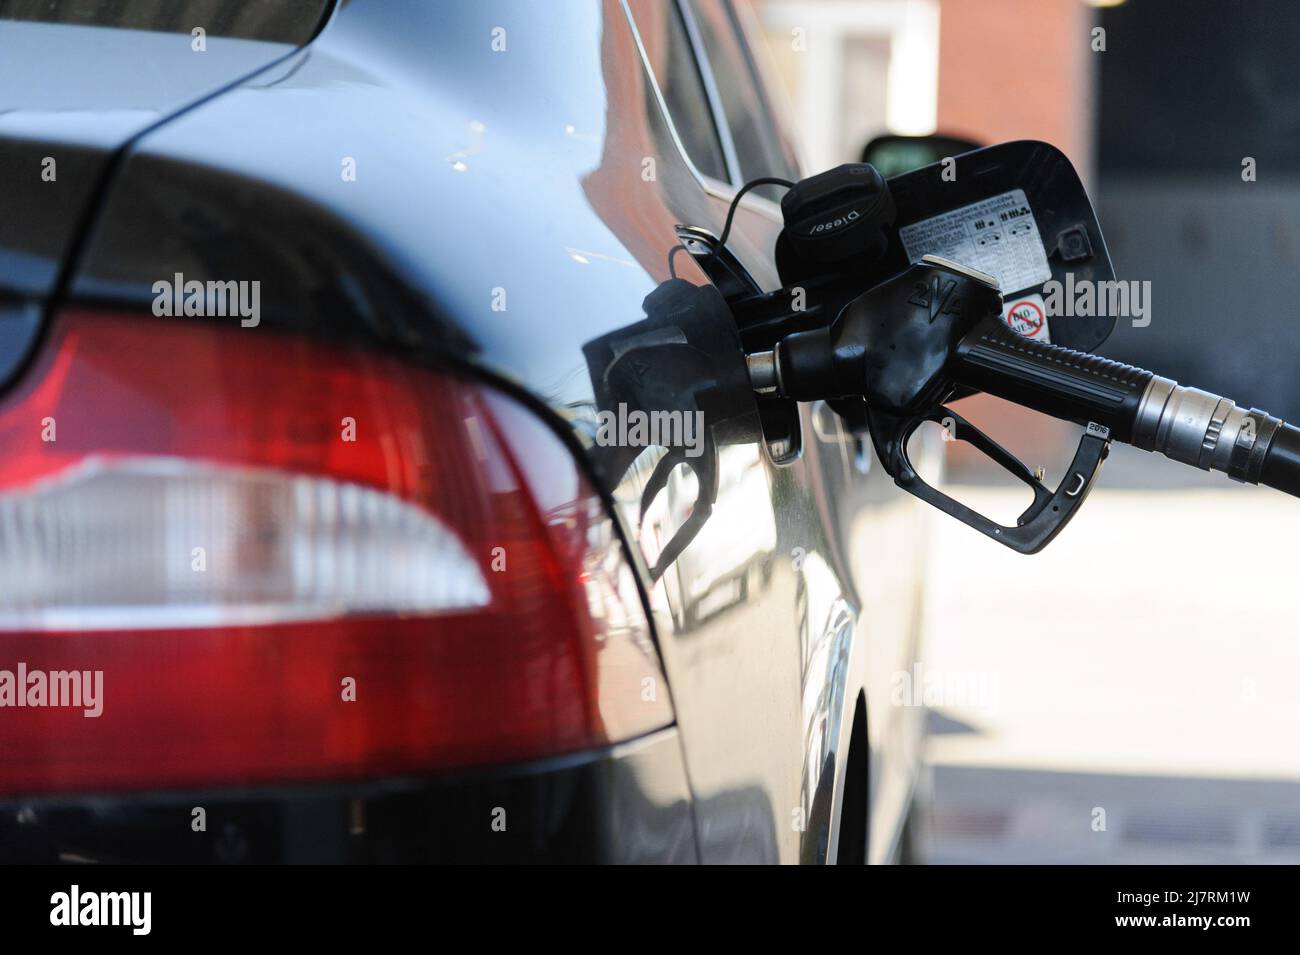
1027, 316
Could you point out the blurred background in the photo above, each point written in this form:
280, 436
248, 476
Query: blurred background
1130, 694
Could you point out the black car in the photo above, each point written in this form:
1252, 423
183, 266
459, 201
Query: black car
376, 484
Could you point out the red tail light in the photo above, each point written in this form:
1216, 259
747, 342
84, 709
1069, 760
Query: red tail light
293, 562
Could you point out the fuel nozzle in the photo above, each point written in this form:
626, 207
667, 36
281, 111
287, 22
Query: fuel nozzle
889, 345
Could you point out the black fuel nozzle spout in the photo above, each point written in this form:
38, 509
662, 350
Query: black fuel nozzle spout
683, 359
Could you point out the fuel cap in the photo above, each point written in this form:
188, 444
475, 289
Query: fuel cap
838, 215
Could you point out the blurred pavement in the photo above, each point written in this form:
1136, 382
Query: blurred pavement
1145, 664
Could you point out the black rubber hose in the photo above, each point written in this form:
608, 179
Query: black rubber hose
1068, 384
1281, 468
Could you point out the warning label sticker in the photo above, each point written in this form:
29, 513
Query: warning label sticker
996, 235
1027, 315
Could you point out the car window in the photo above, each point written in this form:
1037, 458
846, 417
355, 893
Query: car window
672, 59
757, 143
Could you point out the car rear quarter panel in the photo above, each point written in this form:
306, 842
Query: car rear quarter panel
499, 219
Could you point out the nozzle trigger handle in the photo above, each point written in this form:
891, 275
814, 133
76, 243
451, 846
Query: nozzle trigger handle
1040, 522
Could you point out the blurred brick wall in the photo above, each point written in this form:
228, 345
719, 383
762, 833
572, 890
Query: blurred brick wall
1017, 69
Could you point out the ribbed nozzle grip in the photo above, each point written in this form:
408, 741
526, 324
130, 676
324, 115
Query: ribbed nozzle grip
1061, 382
